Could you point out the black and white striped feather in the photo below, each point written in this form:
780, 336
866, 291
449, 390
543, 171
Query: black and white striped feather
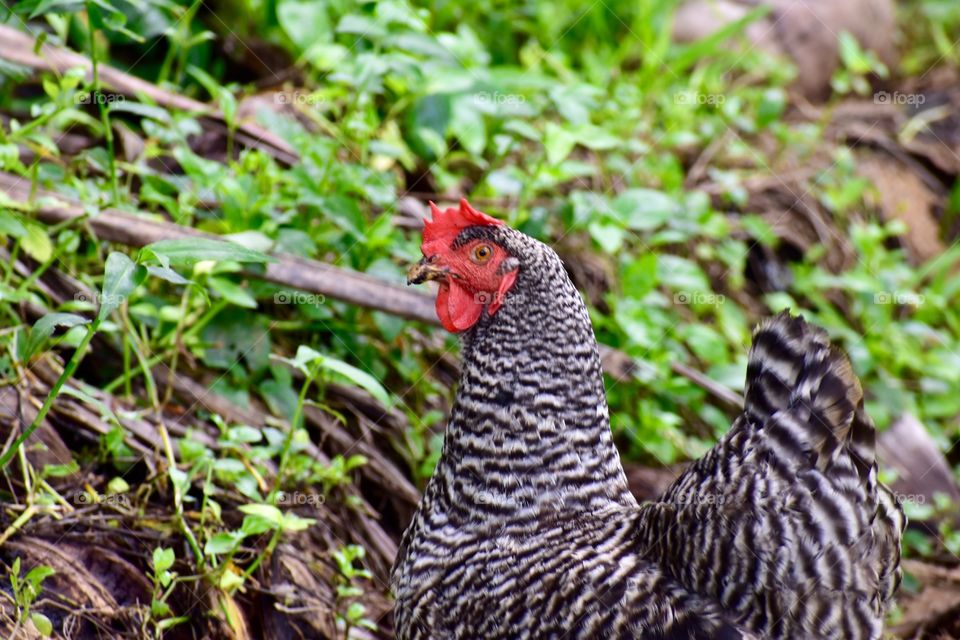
527, 528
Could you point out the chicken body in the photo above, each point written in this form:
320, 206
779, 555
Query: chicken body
527, 528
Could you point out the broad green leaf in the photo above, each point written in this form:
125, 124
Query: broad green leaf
222, 543
160, 609
150, 111
468, 126
43, 328
42, 623
189, 251
168, 274
256, 525
266, 511
38, 574
162, 559
37, 243
121, 277
169, 623
306, 22
60, 470
233, 293
293, 522
117, 485
243, 434
304, 358
594, 137
360, 25
56, 6
10, 224
644, 209
558, 143
307, 356
609, 236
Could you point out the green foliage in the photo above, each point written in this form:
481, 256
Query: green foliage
577, 96
352, 613
25, 592
583, 125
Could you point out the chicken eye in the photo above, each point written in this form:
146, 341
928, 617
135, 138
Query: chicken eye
481, 253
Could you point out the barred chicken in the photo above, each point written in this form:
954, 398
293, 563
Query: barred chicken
527, 528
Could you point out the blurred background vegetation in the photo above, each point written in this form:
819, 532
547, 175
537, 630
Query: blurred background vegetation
693, 185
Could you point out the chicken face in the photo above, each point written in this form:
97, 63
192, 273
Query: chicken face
471, 268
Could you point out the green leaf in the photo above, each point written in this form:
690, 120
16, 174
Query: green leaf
56, 6
43, 328
162, 559
243, 434
305, 22
149, 111
117, 486
60, 470
255, 525
596, 138
121, 277
223, 543
360, 378
468, 126
188, 251
609, 236
772, 106
230, 581
42, 623
360, 25
38, 574
558, 143
644, 209
759, 229
306, 357
37, 243
10, 224
160, 609
293, 522
233, 293
165, 273
266, 511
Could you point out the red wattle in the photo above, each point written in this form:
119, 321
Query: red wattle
457, 308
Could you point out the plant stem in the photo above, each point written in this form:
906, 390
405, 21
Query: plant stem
288, 441
178, 500
104, 114
68, 371
274, 540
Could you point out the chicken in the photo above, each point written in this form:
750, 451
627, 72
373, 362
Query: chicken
527, 528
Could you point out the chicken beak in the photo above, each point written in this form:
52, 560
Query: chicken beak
423, 271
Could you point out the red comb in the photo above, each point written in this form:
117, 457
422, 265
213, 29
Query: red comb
447, 224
